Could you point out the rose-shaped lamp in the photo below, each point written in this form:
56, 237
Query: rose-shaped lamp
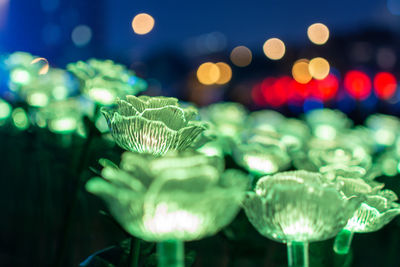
261, 152
298, 207
327, 123
178, 197
152, 125
104, 81
377, 210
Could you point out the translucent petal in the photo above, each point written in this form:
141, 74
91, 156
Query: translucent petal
141, 135
172, 116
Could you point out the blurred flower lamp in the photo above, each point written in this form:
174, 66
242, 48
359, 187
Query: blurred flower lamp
298, 207
104, 81
152, 125
377, 210
179, 197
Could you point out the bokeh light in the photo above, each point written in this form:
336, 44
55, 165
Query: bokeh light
208, 73
225, 73
326, 88
385, 85
357, 84
20, 119
142, 23
81, 35
300, 71
5, 109
274, 48
275, 91
319, 68
318, 33
241, 56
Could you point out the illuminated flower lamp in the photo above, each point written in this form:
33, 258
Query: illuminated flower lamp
63, 117
261, 152
179, 197
20, 69
385, 129
104, 81
333, 157
296, 208
42, 89
377, 210
327, 123
152, 125
294, 133
227, 120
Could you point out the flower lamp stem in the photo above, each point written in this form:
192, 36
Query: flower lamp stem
343, 242
134, 252
297, 254
170, 254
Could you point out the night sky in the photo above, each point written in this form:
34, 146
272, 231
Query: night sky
25, 25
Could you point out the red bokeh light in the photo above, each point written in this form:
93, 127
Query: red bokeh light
385, 85
327, 88
298, 92
357, 84
257, 95
275, 91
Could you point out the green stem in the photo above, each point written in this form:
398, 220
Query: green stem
343, 242
297, 254
170, 254
134, 252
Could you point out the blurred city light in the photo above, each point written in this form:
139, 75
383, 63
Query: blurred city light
208, 73
318, 33
241, 56
274, 48
385, 85
225, 73
318, 68
357, 84
326, 88
81, 35
142, 23
300, 71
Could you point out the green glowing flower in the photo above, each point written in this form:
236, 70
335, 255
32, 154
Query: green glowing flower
327, 123
385, 128
43, 89
377, 209
63, 116
298, 206
152, 125
334, 157
227, 118
104, 81
20, 68
181, 196
261, 152
294, 133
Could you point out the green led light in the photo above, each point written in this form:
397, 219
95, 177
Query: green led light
38, 99
171, 197
20, 76
152, 125
103, 80
20, 119
298, 207
5, 110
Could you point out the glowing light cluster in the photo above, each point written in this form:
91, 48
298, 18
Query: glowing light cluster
276, 92
214, 73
